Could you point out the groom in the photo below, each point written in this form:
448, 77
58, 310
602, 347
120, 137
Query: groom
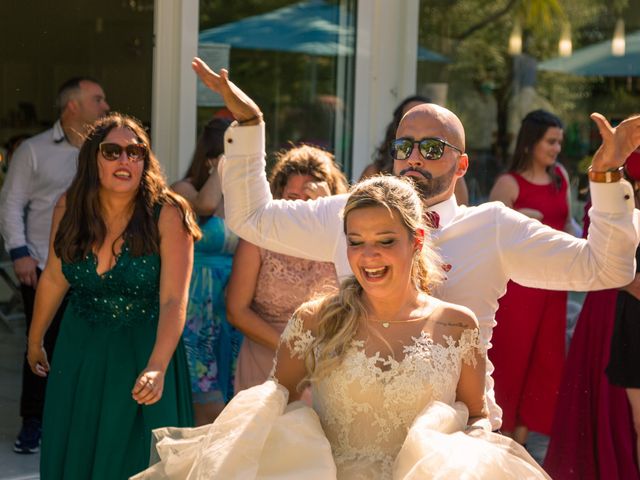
483, 246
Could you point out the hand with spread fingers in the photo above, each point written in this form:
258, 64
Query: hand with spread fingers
148, 387
241, 106
617, 142
317, 189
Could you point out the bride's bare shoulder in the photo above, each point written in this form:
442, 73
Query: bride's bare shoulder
451, 319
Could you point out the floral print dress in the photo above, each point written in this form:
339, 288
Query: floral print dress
212, 344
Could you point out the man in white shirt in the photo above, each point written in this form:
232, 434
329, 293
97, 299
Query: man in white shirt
41, 169
483, 247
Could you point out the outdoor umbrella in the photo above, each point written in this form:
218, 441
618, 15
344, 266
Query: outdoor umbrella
597, 60
312, 27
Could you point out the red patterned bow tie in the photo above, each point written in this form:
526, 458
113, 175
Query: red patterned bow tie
432, 219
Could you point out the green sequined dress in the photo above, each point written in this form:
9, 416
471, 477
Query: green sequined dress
92, 427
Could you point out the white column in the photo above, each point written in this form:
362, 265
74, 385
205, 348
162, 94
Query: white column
173, 116
387, 45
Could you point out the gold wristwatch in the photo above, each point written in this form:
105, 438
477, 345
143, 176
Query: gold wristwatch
610, 176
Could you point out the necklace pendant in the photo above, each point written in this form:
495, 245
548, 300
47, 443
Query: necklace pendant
385, 324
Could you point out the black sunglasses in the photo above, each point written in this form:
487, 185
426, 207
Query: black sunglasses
112, 151
429, 148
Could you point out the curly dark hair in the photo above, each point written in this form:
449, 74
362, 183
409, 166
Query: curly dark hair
306, 160
82, 226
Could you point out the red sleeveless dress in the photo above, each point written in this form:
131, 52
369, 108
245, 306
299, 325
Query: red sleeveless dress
593, 436
528, 350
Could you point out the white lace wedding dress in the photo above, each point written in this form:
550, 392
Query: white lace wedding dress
373, 417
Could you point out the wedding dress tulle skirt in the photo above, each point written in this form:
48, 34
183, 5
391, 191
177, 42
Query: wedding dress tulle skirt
258, 436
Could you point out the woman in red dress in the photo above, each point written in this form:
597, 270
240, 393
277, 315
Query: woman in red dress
593, 429
529, 341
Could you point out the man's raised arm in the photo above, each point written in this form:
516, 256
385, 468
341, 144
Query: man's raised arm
309, 229
537, 256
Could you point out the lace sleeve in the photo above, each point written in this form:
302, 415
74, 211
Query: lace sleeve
469, 346
297, 338
289, 367
471, 356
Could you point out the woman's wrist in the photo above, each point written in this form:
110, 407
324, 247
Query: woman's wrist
35, 343
156, 365
478, 423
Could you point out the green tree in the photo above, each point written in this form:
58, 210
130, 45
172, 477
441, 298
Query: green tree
474, 34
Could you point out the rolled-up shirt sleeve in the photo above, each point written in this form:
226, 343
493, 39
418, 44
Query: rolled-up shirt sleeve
308, 229
14, 198
535, 255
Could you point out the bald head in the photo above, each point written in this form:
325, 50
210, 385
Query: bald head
431, 120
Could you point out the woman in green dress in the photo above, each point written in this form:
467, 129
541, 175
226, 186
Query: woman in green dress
123, 246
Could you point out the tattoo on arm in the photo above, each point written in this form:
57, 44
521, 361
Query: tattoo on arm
452, 324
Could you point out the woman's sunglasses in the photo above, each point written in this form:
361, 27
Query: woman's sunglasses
112, 151
429, 148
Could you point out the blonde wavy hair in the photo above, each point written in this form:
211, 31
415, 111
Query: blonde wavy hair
338, 315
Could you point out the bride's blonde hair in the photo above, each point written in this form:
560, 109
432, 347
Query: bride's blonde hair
338, 315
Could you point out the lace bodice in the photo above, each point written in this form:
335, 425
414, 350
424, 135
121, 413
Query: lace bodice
368, 403
284, 282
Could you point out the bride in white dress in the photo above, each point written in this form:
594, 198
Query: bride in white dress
397, 376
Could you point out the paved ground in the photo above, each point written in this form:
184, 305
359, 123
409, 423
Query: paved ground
12, 465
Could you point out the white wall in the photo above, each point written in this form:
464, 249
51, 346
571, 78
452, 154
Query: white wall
174, 84
387, 44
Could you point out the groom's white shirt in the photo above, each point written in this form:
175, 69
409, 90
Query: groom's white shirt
485, 245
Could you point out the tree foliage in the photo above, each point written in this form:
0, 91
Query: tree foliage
474, 35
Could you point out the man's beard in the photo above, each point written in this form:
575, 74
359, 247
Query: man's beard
427, 186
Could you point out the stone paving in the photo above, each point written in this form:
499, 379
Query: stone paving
12, 465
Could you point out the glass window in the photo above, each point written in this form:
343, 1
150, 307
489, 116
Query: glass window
296, 59
492, 88
109, 41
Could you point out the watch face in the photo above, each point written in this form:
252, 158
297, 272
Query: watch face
632, 166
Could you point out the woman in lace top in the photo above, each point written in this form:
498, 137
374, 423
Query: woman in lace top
397, 376
377, 352
266, 287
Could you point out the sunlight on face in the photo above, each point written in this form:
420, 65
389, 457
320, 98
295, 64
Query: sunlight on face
380, 250
120, 176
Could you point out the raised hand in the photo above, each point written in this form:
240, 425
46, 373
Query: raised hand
316, 190
241, 106
617, 143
